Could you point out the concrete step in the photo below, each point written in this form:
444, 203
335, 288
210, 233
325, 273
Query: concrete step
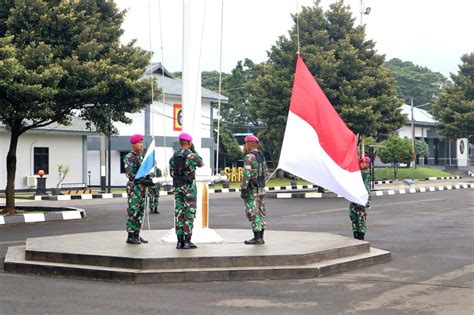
108, 249
15, 262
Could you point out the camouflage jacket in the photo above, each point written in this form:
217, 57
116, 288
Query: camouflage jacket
193, 160
132, 162
366, 178
252, 169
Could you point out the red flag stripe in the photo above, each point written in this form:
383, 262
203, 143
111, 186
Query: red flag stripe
310, 104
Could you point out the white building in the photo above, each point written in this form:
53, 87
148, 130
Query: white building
45, 148
161, 121
443, 152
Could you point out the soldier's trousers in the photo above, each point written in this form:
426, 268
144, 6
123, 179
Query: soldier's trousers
358, 216
136, 207
154, 197
255, 209
185, 209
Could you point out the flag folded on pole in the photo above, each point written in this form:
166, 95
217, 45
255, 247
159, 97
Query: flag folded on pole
148, 163
317, 145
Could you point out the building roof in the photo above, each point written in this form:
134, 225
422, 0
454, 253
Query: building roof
420, 116
173, 86
77, 125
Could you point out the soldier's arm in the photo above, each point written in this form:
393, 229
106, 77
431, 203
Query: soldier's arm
171, 163
129, 161
250, 172
198, 160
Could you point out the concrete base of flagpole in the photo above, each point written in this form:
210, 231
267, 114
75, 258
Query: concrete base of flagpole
200, 236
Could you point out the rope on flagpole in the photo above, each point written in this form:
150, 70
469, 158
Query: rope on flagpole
297, 27
219, 91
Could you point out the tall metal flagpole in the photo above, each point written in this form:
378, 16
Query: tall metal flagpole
193, 24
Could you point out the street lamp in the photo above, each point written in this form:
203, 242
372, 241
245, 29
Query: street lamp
413, 131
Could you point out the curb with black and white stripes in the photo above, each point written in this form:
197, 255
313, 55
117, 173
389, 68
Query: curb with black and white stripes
162, 193
382, 182
72, 214
379, 193
441, 178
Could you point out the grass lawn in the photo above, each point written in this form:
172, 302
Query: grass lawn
419, 173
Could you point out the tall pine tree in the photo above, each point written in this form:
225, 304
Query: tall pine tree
346, 66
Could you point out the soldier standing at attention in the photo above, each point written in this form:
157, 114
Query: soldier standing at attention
253, 188
154, 193
135, 190
358, 213
183, 170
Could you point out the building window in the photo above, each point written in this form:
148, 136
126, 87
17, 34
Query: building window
122, 166
41, 160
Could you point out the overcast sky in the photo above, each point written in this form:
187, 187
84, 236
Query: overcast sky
430, 33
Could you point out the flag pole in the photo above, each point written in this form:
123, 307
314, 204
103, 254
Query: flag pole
271, 175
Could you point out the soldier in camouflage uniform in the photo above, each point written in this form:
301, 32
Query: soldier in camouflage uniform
253, 189
154, 193
358, 213
135, 190
183, 170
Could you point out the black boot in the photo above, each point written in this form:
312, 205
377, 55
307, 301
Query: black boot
180, 243
356, 235
187, 243
142, 240
256, 240
361, 236
261, 236
132, 239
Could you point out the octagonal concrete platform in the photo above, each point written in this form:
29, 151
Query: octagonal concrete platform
105, 256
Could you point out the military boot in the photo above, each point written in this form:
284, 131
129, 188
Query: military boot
361, 236
132, 239
187, 243
261, 236
142, 240
180, 243
356, 235
255, 240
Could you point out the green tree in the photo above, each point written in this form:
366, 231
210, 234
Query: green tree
346, 66
454, 109
419, 83
59, 58
395, 150
422, 149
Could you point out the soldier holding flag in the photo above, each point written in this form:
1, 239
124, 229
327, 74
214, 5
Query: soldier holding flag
136, 190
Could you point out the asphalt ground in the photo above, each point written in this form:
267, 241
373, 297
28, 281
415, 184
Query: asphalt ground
430, 236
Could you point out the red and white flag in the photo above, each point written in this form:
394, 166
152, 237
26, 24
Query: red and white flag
318, 146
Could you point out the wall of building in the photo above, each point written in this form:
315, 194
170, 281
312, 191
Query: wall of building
64, 149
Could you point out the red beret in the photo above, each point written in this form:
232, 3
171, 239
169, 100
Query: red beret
364, 159
136, 138
251, 138
185, 136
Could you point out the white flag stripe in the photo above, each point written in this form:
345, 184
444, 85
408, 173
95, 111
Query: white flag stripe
303, 156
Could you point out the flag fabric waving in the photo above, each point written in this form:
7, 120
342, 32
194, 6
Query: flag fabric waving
148, 163
318, 146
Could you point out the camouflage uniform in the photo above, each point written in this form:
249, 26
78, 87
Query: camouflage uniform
358, 213
252, 194
154, 193
185, 192
135, 192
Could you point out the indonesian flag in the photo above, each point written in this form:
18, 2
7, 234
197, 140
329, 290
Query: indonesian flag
318, 146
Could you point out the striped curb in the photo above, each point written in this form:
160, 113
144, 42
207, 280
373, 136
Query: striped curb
441, 178
73, 214
380, 193
469, 173
382, 182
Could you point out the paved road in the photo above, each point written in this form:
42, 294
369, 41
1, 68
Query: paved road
430, 236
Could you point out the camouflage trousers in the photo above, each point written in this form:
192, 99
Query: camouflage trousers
136, 207
185, 209
358, 216
154, 197
255, 209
